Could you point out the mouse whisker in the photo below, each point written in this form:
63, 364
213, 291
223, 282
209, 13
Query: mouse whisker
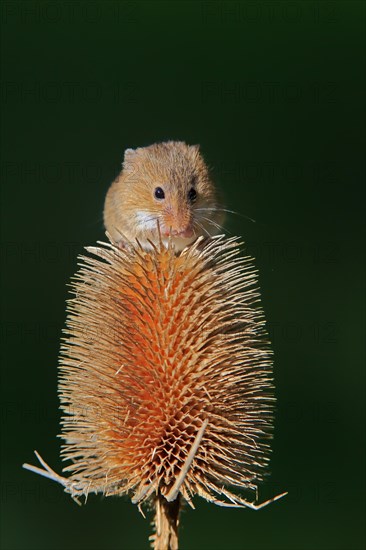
200, 226
217, 225
152, 218
148, 223
216, 209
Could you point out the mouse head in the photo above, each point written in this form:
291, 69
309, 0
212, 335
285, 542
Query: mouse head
168, 185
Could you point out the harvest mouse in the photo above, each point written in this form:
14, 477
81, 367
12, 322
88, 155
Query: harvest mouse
164, 187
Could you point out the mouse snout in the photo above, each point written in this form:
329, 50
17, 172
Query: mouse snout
178, 224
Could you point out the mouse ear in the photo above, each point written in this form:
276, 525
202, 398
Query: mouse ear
194, 149
129, 156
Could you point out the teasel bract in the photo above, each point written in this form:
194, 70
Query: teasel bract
165, 379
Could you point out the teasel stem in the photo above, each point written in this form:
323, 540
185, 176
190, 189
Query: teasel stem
166, 523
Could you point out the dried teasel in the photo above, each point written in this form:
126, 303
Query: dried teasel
165, 379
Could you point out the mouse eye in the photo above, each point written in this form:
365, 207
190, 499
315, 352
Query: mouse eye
192, 195
159, 193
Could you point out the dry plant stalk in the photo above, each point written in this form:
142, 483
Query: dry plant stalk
165, 379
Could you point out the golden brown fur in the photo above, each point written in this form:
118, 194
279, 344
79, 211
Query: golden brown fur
133, 212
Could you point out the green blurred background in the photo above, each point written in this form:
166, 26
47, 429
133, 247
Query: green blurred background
273, 92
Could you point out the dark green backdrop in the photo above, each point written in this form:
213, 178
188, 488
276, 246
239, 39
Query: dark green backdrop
272, 90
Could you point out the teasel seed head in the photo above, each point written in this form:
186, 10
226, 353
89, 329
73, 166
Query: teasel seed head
166, 377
